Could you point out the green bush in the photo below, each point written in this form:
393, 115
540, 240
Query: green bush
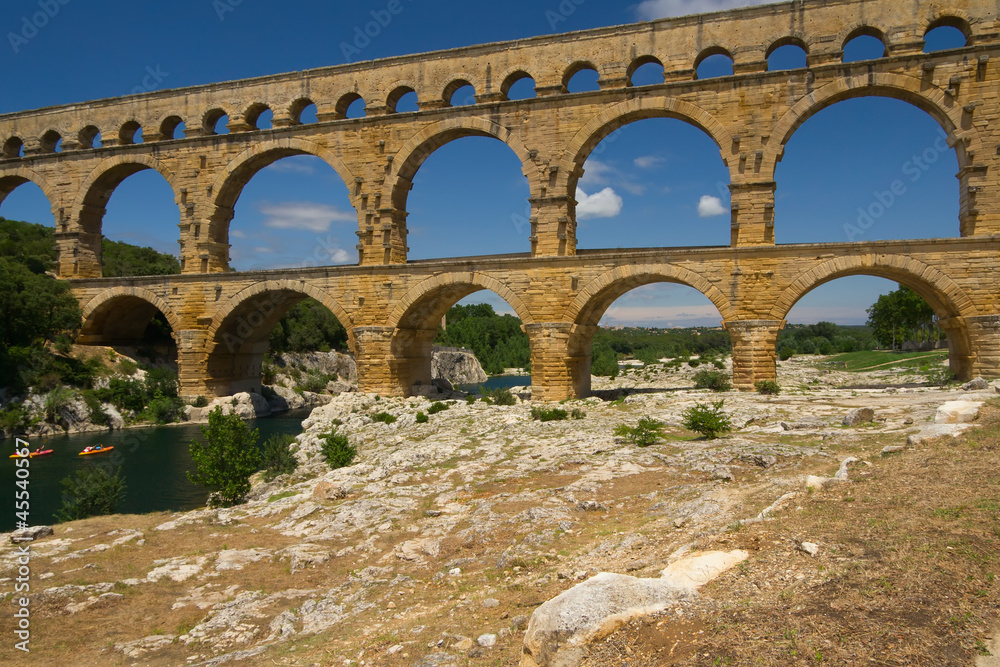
277, 457
470, 399
227, 458
161, 383
786, 353
708, 420
315, 383
124, 394
98, 415
91, 492
548, 414
714, 380
577, 413
500, 396
643, 434
56, 400
200, 402
127, 366
437, 407
337, 450
422, 418
384, 418
14, 420
163, 410
694, 363
767, 387
719, 363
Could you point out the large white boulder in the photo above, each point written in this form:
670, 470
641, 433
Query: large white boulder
957, 412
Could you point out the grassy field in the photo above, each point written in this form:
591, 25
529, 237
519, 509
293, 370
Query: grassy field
876, 359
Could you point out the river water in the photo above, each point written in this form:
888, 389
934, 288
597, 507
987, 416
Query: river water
154, 464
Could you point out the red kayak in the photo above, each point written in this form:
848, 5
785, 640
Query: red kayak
94, 450
32, 454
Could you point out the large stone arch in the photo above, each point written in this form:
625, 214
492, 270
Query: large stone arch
630, 111
950, 302
122, 314
437, 288
931, 100
12, 179
103, 180
594, 299
422, 145
237, 338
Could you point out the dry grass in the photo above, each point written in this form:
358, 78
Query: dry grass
907, 573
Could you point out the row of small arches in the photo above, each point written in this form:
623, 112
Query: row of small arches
864, 43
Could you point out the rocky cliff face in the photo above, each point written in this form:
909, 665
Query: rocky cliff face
457, 367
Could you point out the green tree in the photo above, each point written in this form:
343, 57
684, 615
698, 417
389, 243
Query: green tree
709, 420
227, 458
604, 361
91, 492
123, 259
277, 457
308, 327
338, 450
28, 244
899, 316
496, 340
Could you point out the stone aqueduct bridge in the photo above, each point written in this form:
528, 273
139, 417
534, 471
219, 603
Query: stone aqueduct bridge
391, 307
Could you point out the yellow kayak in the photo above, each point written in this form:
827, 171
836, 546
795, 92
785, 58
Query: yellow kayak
32, 454
88, 452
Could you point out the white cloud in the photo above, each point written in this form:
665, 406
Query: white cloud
596, 172
649, 10
293, 166
663, 316
237, 234
308, 216
340, 256
263, 250
649, 161
604, 204
710, 206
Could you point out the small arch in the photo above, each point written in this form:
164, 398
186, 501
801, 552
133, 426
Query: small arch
864, 42
13, 148
351, 105
581, 77
87, 137
518, 85
787, 53
51, 142
256, 116
215, 121
947, 32
131, 133
715, 61
392, 102
299, 111
172, 128
646, 71
459, 93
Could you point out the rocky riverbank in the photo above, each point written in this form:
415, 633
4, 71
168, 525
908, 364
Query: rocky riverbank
442, 542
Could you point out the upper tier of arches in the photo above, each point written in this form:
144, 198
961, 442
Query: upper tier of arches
124, 124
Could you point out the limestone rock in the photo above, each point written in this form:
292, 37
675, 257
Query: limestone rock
561, 629
957, 412
457, 366
935, 431
859, 416
327, 490
810, 548
487, 640
977, 384
30, 534
803, 425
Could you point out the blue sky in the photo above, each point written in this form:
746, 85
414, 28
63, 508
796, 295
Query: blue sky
653, 183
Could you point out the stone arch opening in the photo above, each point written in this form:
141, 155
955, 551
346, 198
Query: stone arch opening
13, 148
787, 53
24, 197
351, 105
581, 77
302, 111
300, 230
702, 304
611, 153
951, 305
238, 337
215, 121
713, 62
865, 43
905, 190
947, 32
402, 99
88, 137
459, 93
413, 325
646, 71
259, 116
134, 322
130, 133
172, 127
518, 85
493, 167
51, 142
